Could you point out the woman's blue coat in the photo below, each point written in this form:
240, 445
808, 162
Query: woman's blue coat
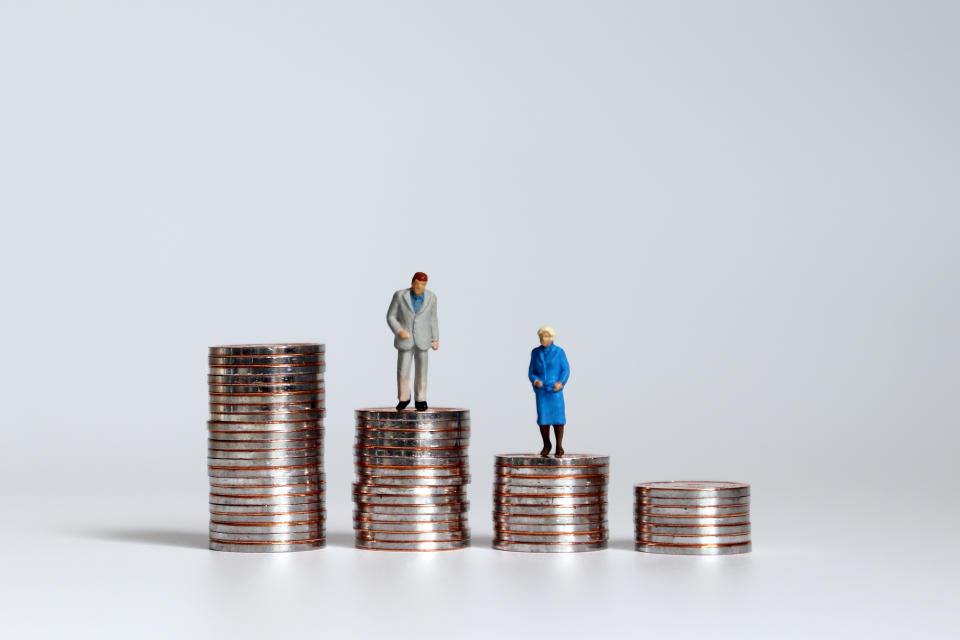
549, 366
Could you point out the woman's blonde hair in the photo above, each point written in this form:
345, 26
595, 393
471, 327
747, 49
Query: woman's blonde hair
543, 330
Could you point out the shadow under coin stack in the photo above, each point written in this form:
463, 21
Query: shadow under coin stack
412, 473
698, 518
550, 504
266, 447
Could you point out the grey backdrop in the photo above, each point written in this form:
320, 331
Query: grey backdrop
741, 218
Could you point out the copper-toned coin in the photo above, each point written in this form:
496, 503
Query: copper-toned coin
277, 388
455, 490
263, 463
266, 436
269, 454
260, 421
411, 527
422, 432
414, 509
261, 528
303, 536
594, 519
419, 536
265, 445
271, 400
283, 490
688, 539
569, 481
399, 481
576, 491
309, 405
265, 369
313, 497
692, 489
536, 529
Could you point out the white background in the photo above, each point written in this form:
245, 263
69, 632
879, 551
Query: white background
741, 218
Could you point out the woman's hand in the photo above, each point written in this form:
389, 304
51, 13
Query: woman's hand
537, 384
558, 386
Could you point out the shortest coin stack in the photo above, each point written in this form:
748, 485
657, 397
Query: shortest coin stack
698, 518
550, 504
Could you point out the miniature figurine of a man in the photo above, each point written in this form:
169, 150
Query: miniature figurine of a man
549, 372
412, 317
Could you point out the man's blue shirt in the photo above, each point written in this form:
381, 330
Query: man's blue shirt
416, 301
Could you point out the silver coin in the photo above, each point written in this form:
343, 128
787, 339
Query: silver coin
695, 551
442, 456
692, 539
269, 454
555, 510
266, 349
307, 498
412, 546
365, 516
430, 415
264, 509
262, 528
265, 369
407, 471
371, 509
560, 501
508, 460
411, 527
265, 436
312, 379
369, 499
697, 530
415, 427
265, 445
693, 511
273, 389
288, 359
457, 490
265, 548
268, 399
438, 433
260, 427
435, 536
215, 463
548, 528
282, 490
280, 409
720, 493
584, 491
546, 547
547, 521
315, 478
692, 502
550, 472
593, 536
694, 521
274, 473
411, 443
306, 536
409, 467
280, 419
695, 486
598, 481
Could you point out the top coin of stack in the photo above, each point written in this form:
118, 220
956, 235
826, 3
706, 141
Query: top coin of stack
550, 504
412, 473
265, 447
693, 517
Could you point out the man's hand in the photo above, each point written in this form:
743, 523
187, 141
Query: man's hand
558, 386
537, 384
436, 345
403, 335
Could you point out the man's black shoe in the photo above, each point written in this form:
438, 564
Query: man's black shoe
402, 405
421, 405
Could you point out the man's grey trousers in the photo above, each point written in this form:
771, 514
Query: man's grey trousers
404, 359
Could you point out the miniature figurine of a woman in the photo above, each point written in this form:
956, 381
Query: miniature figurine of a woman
549, 372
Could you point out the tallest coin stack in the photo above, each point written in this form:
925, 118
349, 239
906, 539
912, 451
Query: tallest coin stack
265, 449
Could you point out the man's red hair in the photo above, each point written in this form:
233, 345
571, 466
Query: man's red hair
419, 275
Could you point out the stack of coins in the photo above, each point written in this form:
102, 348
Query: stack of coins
699, 518
412, 473
266, 447
550, 504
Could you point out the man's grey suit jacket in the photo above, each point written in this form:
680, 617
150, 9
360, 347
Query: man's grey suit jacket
422, 326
